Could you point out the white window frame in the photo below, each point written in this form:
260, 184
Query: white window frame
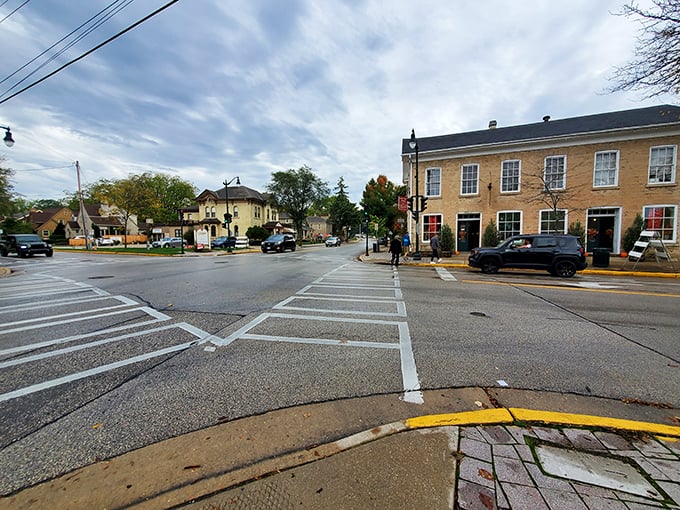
504, 233
425, 237
599, 172
474, 183
673, 165
541, 230
433, 182
673, 221
549, 181
505, 179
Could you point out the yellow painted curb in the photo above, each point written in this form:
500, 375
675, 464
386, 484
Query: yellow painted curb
481, 417
584, 420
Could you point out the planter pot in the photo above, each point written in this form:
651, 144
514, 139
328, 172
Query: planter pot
447, 254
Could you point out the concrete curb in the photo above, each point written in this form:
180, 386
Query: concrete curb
497, 416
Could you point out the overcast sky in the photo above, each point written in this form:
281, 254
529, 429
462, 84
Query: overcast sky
212, 89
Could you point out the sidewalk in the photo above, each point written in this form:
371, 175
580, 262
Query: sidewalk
618, 266
464, 449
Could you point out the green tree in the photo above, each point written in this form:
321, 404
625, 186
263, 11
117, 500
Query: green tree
577, 229
343, 213
656, 66
294, 191
46, 203
490, 237
129, 196
12, 226
257, 233
6, 190
380, 199
446, 238
59, 234
632, 234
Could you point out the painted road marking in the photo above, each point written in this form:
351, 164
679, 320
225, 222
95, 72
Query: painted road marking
578, 289
444, 274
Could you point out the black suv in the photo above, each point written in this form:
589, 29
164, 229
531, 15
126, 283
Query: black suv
24, 245
560, 255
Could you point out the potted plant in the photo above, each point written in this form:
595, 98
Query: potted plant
446, 241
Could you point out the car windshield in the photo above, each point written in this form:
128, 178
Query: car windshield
275, 237
28, 238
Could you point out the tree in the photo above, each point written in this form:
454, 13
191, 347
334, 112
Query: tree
656, 65
129, 196
257, 233
491, 237
6, 190
294, 192
46, 203
633, 233
380, 199
12, 226
446, 239
343, 213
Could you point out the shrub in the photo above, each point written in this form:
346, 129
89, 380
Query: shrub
446, 238
633, 233
491, 237
578, 230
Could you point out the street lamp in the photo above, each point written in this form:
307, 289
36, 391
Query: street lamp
181, 230
9, 141
413, 143
227, 216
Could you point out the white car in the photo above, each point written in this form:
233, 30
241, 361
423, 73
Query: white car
169, 242
105, 241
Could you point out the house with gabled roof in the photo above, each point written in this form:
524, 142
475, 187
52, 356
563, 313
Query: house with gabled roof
248, 208
45, 221
598, 170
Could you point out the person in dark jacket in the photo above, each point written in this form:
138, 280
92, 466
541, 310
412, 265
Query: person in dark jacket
395, 250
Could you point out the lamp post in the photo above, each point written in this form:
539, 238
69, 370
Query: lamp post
413, 143
227, 216
181, 230
9, 141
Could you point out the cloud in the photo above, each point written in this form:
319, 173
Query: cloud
209, 90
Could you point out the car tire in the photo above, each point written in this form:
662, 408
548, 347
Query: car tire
564, 268
293, 248
489, 266
49, 253
3, 252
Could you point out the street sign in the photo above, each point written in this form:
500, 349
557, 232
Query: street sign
402, 204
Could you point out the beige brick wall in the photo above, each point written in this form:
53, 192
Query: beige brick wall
630, 195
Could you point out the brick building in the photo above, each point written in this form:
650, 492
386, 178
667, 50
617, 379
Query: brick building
600, 170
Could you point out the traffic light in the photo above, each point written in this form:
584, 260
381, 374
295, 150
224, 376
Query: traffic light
423, 203
227, 218
410, 203
366, 215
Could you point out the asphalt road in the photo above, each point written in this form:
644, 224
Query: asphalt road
101, 354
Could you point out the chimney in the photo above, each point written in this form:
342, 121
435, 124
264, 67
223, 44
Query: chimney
546, 118
492, 124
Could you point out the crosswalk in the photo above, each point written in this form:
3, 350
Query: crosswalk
54, 331
354, 306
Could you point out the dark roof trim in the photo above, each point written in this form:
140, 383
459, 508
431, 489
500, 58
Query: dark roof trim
654, 116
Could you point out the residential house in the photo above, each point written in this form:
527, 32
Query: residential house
600, 170
102, 220
248, 208
318, 227
45, 221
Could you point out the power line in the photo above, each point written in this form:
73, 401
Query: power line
110, 39
15, 10
58, 42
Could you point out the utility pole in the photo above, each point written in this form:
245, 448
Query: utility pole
82, 208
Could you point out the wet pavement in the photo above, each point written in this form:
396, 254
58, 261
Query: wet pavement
464, 449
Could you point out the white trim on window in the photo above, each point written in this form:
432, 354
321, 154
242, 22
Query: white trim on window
557, 178
433, 182
511, 176
606, 169
662, 218
510, 224
546, 225
469, 179
662, 164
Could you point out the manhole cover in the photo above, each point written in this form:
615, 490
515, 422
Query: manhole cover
479, 314
99, 277
600, 470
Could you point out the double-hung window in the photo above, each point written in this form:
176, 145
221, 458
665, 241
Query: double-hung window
510, 174
469, 182
509, 223
662, 164
432, 224
606, 171
662, 219
553, 222
433, 182
554, 173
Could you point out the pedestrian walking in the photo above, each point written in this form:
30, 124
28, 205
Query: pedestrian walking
406, 242
434, 246
395, 250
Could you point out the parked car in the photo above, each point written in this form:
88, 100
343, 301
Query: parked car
24, 245
104, 241
560, 255
223, 242
169, 242
278, 242
333, 241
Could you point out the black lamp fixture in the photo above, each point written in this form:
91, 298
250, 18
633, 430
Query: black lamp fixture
9, 141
